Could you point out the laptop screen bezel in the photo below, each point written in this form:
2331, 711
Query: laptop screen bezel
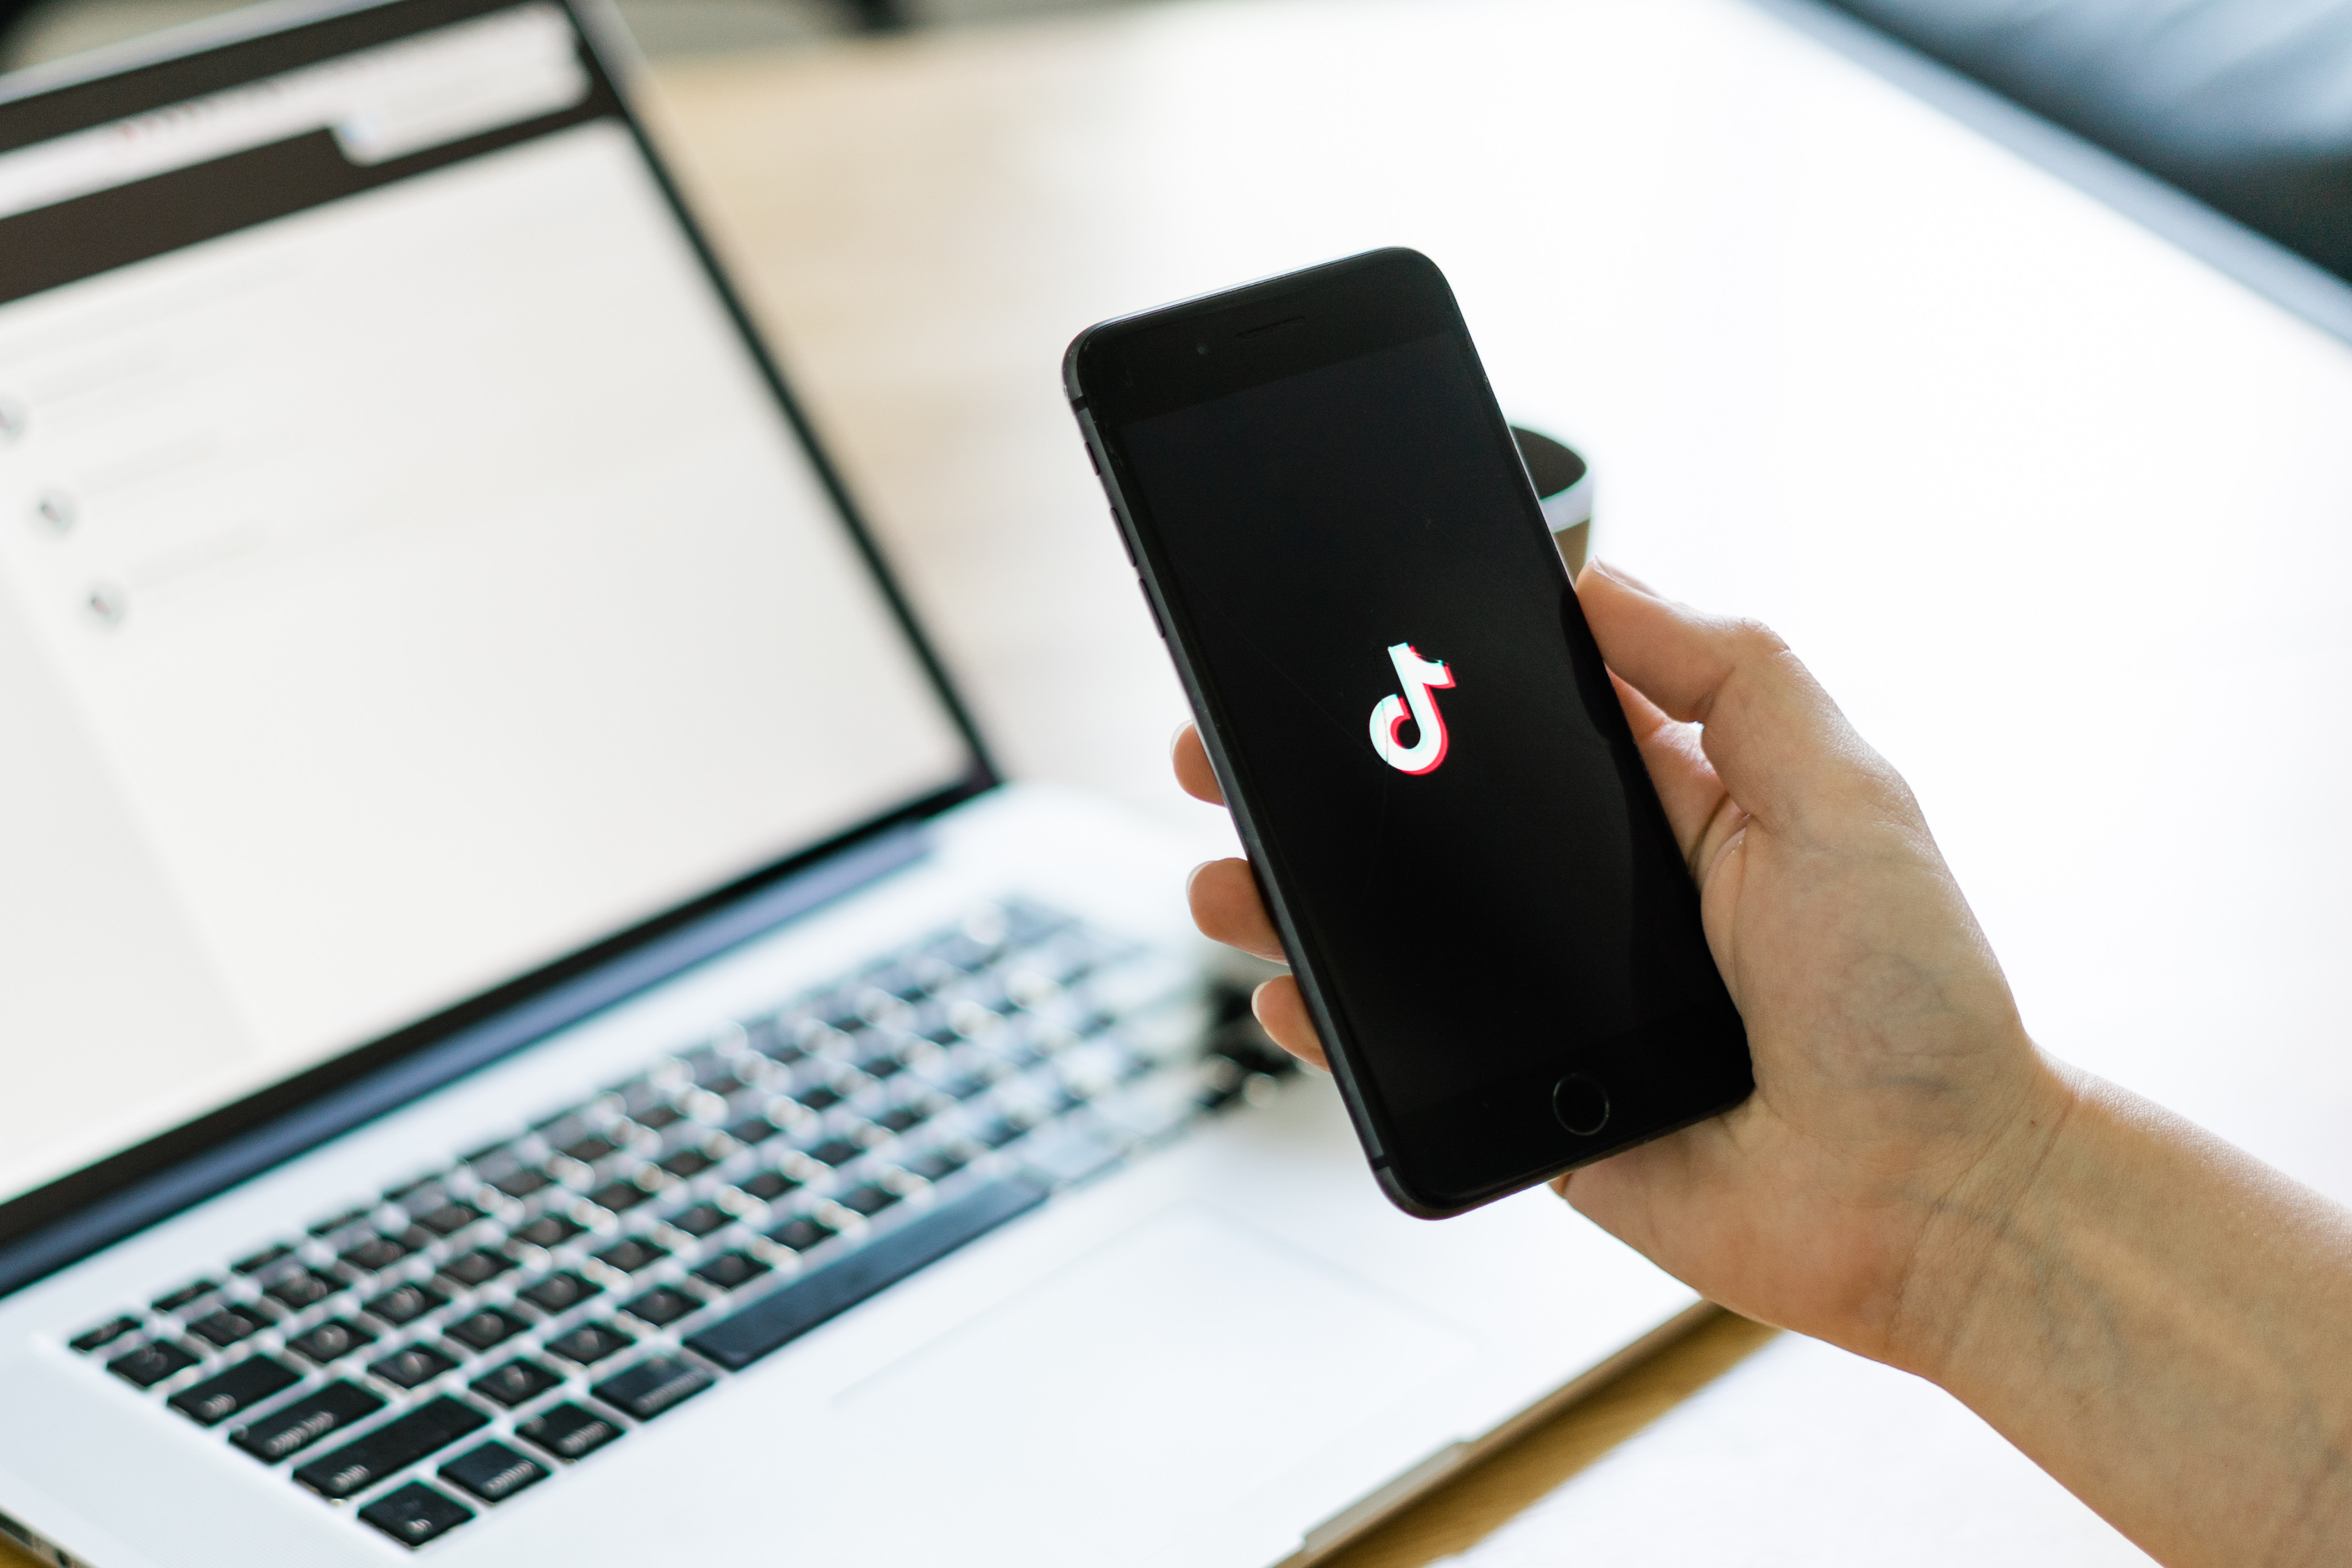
53, 1224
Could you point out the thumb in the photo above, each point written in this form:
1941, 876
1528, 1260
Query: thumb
1776, 740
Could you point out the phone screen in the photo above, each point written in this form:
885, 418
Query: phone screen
1430, 745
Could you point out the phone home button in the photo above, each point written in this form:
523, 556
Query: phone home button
1581, 1103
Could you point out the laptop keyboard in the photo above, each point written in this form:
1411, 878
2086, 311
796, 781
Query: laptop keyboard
472, 1334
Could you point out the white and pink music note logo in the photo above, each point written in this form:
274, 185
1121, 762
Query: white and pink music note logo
1419, 677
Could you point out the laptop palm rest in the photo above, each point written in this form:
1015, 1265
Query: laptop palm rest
1123, 1392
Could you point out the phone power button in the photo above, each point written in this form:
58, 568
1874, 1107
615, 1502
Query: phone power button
1581, 1103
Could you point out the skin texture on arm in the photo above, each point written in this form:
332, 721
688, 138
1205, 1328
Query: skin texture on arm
2160, 1321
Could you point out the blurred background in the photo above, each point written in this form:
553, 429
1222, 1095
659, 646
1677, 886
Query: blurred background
664, 29
2245, 105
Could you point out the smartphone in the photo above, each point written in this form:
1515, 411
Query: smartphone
1471, 873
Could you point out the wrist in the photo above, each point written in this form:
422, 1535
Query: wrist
1986, 1226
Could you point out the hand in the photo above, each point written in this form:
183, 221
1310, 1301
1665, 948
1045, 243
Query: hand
2161, 1323
1896, 1084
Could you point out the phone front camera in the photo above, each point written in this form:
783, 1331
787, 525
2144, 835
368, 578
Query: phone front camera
1199, 348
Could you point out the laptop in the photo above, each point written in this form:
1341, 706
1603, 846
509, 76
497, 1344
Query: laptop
531, 1031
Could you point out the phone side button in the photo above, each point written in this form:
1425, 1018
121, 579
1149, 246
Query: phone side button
1581, 1103
1153, 608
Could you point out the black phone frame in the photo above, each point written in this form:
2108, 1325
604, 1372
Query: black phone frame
1175, 356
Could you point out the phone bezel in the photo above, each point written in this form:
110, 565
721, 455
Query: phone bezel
1180, 355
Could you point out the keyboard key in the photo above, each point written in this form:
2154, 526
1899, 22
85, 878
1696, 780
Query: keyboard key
619, 1196
411, 1366
754, 1131
475, 1268
303, 1288
713, 1069
783, 1316
898, 1118
291, 1428
151, 1363
687, 1163
516, 1383
229, 1324
415, 1513
261, 1260
819, 1097
589, 1343
105, 1334
406, 1303
450, 1218
701, 1219
663, 1305
656, 1118
767, 1186
869, 1199
560, 1293
881, 1066
651, 1387
588, 1150
491, 1326
936, 1165
493, 1472
837, 1151
418, 1196
631, 1255
1000, 1132
730, 1269
800, 1233
394, 1445
568, 1432
341, 1222
523, 1183
242, 1386
375, 1254
330, 1341
548, 1230
187, 1295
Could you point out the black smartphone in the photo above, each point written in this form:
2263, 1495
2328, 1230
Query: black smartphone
1469, 868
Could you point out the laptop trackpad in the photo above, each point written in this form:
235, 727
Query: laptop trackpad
1159, 1375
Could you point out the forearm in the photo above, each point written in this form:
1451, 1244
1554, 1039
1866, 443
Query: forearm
2161, 1323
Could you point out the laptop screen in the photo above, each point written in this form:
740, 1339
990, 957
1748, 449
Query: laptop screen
408, 574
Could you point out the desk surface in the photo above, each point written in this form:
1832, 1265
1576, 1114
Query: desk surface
2062, 517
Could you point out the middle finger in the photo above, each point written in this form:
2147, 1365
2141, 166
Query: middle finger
1227, 909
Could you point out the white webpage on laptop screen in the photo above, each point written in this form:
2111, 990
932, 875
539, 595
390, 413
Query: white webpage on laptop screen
394, 597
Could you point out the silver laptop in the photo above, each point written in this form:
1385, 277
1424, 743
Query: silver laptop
530, 1032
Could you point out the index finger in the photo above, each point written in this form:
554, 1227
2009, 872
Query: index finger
1193, 769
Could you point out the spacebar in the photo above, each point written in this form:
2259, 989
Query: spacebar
776, 1320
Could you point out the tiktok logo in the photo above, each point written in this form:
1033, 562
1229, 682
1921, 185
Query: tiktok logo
1419, 677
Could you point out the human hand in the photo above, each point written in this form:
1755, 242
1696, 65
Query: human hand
1895, 1086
